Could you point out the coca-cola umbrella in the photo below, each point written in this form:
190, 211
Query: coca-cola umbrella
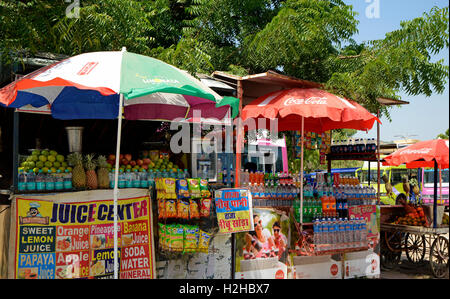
309, 109
429, 153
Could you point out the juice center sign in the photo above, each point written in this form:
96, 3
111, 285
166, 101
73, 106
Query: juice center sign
75, 239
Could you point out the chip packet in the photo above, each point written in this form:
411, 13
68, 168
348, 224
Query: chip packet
194, 213
169, 188
203, 241
170, 209
191, 236
205, 207
204, 190
194, 188
161, 209
183, 209
182, 189
176, 240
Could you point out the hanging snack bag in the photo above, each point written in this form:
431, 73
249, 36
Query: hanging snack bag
161, 209
205, 207
183, 210
182, 189
170, 188
170, 209
203, 241
194, 188
176, 242
194, 213
204, 190
191, 236
162, 236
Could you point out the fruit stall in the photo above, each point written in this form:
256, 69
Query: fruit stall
97, 191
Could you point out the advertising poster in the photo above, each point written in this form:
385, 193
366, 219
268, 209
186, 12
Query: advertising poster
234, 210
264, 251
75, 239
371, 214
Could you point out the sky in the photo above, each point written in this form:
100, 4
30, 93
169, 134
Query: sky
424, 117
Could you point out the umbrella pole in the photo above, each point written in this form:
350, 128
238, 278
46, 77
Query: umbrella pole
301, 173
116, 187
435, 193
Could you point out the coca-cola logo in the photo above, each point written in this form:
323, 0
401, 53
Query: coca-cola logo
334, 269
418, 151
279, 274
308, 101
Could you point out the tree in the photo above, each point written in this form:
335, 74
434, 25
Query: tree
444, 135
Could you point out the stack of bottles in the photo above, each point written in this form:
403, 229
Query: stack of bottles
332, 199
42, 182
143, 179
267, 189
349, 146
331, 234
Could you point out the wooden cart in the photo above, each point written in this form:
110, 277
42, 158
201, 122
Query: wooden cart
415, 241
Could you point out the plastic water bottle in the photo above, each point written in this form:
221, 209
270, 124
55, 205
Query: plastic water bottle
59, 181
128, 179
40, 181
135, 179
143, 179
186, 174
341, 227
68, 180
111, 179
363, 234
31, 181
22, 180
356, 233
49, 181
122, 179
348, 233
317, 235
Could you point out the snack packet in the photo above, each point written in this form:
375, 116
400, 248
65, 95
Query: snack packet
161, 209
204, 191
191, 236
203, 241
182, 189
162, 236
170, 209
205, 207
194, 213
183, 209
176, 241
194, 188
169, 188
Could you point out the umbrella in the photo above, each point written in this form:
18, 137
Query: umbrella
311, 109
429, 153
96, 85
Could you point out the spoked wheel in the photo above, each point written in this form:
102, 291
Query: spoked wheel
439, 257
390, 250
415, 248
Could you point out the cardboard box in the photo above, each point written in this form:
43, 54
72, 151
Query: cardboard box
361, 264
262, 268
317, 267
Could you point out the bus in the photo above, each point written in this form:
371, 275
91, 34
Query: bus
427, 181
394, 175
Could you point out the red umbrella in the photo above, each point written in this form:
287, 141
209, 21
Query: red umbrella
421, 154
321, 111
310, 109
430, 153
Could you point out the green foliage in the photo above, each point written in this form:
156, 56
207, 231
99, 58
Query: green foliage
444, 135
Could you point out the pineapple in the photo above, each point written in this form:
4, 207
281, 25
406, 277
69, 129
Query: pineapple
102, 173
91, 175
78, 173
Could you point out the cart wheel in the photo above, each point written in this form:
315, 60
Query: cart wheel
389, 259
415, 247
439, 257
